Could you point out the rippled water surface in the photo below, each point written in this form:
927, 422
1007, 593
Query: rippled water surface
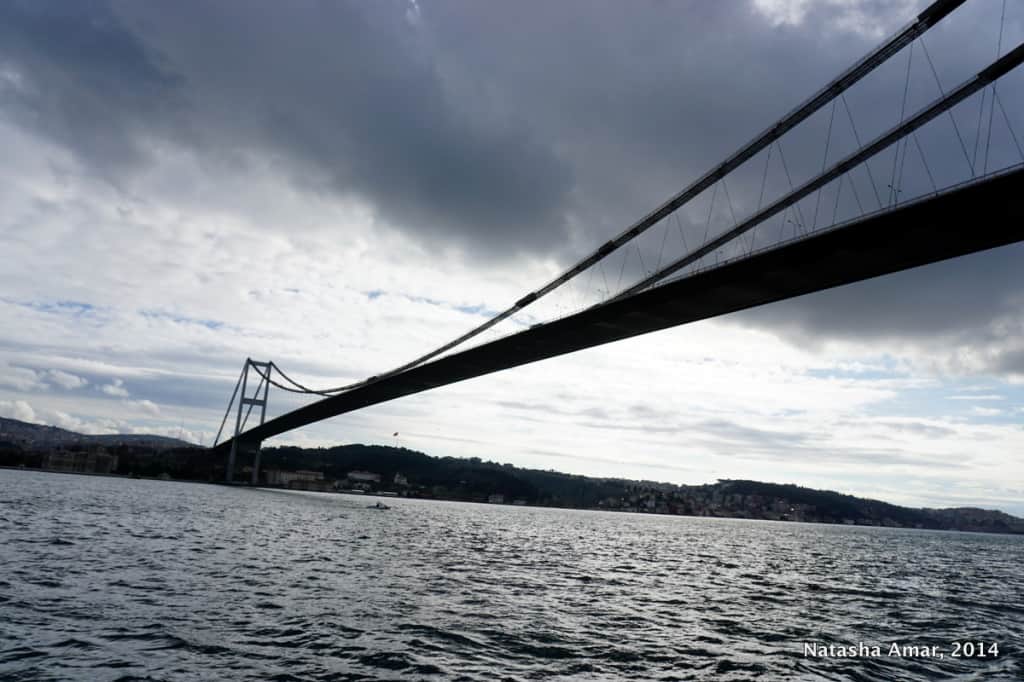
104, 578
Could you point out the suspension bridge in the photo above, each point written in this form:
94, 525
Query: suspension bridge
772, 254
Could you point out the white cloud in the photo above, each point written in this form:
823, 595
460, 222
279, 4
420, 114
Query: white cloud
89, 426
66, 421
17, 409
171, 431
20, 378
116, 389
857, 16
987, 396
65, 380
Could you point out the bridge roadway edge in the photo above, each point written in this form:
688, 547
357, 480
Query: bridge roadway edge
973, 218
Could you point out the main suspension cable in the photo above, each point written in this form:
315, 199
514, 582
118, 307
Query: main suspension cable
835, 88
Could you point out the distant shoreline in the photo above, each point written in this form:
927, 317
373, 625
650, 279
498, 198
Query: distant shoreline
247, 486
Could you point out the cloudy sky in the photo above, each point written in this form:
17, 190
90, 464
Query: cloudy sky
341, 186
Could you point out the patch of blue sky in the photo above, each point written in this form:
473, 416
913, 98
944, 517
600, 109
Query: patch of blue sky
180, 319
77, 308
478, 309
984, 389
859, 374
952, 399
880, 368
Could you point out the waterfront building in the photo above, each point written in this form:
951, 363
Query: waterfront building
97, 461
285, 478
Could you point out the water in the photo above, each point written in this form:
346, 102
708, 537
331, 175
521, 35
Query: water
106, 579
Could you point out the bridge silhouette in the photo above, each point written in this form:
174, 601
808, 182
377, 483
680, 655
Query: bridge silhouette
982, 212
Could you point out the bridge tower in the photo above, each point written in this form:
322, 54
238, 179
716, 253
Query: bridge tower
262, 369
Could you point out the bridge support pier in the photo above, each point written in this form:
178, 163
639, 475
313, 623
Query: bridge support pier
243, 448
263, 370
256, 465
230, 474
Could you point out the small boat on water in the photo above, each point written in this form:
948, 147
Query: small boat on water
379, 505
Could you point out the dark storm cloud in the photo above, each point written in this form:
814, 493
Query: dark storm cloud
1011, 362
503, 128
646, 100
78, 76
487, 125
346, 95
954, 302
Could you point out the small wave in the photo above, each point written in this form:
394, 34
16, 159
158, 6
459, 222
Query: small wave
22, 653
387, 660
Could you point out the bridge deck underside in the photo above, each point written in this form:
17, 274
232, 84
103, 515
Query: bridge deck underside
981, 216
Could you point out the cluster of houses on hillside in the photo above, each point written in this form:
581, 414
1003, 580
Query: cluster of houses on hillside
354, 481
364, 482
711, 503
80, 461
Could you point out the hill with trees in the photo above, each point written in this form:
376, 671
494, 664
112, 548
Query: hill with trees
415, 474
